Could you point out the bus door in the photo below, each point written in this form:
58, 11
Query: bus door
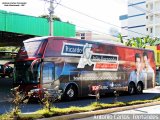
48, 74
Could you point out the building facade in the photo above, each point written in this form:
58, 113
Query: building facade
153, 18
84, 35
143, 19
89, 35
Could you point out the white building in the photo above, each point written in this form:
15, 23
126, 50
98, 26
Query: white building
143, 19
153, 18
89, 35
84, 35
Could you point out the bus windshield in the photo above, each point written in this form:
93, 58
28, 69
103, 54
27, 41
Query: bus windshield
32, 47
24, 74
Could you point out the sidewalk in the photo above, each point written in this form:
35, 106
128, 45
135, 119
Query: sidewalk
153, 90
99, 112
106, 111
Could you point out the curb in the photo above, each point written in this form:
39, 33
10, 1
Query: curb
99, 112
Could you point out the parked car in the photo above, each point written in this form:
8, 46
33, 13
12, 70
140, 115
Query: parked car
6, 71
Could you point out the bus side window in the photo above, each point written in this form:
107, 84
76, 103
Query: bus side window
58, 70
48, 72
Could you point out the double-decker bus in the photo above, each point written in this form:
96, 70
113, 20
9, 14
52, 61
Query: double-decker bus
78, 67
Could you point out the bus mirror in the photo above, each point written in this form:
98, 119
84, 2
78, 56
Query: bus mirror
38, 60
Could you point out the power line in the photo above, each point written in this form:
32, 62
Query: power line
58, 3
95, 31
51, 12
85, 22
99, 19
89, 29
88, 15
53, 1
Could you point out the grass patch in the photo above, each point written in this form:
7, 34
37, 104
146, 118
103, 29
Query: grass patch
44, 113
4, 117
139, 102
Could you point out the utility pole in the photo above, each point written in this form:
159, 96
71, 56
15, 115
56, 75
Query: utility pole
51, 12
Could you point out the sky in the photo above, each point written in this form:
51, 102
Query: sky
101, 13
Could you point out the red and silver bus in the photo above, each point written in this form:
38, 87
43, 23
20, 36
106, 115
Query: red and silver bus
78, 67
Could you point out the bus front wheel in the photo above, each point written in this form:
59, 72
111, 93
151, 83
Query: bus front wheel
70, 93
131, 88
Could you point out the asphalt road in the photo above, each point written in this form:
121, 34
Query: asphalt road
31, 107
5, 85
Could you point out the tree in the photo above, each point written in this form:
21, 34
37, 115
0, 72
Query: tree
139, 42
125, 42
11, 48
54, 17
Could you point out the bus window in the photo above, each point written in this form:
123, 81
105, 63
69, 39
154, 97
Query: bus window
58, 70
48, 72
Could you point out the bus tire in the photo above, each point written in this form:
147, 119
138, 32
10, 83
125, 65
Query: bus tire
139, 88
131, 88
70, 93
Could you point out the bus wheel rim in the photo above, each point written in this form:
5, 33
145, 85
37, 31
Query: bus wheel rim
131, 89
70, 93
139, 88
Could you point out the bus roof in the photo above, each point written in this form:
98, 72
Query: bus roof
89, 41
108, 41
36, 38
45, 37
